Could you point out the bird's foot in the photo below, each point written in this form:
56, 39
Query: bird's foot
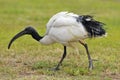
91, 64
55, 69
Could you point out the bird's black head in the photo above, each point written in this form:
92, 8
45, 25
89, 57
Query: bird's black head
28, 30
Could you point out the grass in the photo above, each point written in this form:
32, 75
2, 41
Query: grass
28, 60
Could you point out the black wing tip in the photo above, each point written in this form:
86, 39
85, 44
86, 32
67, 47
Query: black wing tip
86, 16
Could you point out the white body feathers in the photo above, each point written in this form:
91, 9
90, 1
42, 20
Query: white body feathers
63, 28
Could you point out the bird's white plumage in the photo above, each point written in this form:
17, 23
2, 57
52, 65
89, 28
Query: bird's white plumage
63, 28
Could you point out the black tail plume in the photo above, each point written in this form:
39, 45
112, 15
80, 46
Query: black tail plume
93, 27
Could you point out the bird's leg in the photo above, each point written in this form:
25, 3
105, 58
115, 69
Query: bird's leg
64, 55
88, 54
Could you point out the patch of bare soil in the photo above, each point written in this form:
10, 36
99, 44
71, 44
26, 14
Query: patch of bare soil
113, 76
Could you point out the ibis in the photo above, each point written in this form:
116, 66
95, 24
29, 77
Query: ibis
66, 28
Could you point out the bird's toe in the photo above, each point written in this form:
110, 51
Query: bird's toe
54, 69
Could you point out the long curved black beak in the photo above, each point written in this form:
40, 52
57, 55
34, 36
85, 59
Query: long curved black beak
16, 37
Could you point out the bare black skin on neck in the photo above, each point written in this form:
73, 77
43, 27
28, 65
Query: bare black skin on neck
31, 31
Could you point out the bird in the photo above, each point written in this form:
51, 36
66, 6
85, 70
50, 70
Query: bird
66, 28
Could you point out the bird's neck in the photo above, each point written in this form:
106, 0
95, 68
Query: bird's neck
36, 36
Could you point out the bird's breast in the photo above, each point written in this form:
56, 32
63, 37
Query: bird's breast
46, 40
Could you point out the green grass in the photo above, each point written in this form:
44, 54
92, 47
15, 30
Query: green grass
29, 60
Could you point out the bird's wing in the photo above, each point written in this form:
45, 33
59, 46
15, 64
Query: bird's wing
62, 19
67, 24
